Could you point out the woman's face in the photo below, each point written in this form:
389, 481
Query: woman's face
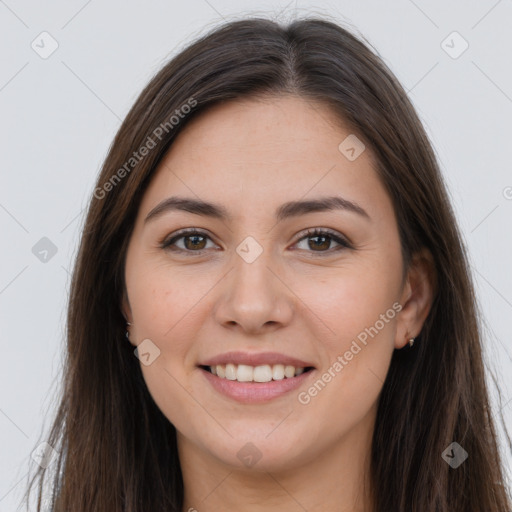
254, 284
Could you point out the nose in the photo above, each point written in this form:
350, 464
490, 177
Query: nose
254, 296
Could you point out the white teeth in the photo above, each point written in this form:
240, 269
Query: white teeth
289, 371
278, 372
263, 373
230, 371
244, 373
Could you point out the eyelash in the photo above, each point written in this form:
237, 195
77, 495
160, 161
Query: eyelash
343, 244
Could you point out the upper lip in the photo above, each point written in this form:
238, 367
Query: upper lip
255, 359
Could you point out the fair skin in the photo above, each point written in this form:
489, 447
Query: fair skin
300, 297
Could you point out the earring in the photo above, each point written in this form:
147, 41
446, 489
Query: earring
127, 333
411, 342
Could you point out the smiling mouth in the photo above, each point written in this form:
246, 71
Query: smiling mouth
263, 373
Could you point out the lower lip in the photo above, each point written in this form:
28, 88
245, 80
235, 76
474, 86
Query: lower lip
255, 392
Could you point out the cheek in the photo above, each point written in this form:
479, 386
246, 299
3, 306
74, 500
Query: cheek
352, 302
164, 300
164, 303
356, 322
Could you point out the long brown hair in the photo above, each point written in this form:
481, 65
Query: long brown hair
117, 451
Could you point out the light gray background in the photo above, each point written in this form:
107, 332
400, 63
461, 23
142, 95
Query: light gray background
59, 115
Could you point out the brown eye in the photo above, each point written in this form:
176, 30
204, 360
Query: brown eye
193, 241
321, 240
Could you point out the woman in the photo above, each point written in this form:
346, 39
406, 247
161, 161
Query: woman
271, 307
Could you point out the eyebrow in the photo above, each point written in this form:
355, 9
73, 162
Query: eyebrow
285, 211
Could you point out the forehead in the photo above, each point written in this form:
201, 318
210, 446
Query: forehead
279, 128
265, 151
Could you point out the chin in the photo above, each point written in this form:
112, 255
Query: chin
261, 451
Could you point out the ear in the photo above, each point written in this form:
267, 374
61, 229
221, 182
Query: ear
127, 313
417, 297
125, 307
